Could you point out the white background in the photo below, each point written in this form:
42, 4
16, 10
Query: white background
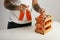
52, 7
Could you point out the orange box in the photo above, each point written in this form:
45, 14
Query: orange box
43, 24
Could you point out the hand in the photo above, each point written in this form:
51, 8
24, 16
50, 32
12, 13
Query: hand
42, 10
22, 7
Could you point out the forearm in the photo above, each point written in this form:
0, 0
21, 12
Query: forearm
36, 7
10, 6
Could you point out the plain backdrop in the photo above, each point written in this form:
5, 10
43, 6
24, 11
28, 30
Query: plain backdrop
52, 8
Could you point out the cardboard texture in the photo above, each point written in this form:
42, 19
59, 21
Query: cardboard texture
43, 23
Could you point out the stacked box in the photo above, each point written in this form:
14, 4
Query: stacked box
43, 23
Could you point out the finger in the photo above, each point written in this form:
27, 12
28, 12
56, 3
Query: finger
42, 10
23, 5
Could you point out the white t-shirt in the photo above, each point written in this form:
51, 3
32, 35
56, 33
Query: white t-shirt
15, 14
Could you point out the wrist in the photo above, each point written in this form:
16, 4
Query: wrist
17, 8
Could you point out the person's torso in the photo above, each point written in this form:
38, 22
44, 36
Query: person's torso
14, 15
